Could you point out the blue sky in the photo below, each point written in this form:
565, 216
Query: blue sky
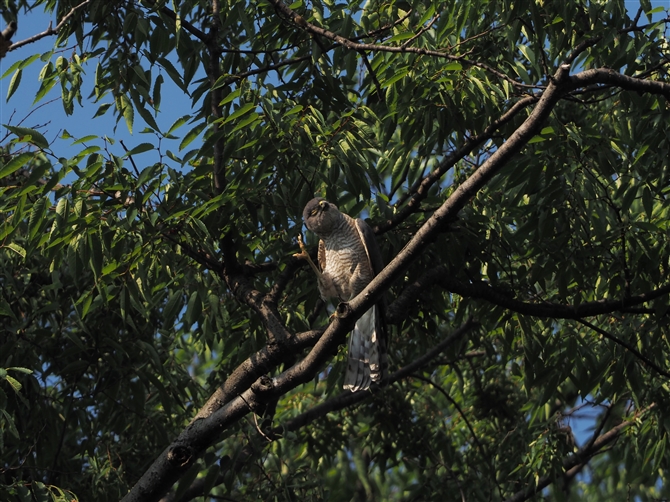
51, 118
48, 114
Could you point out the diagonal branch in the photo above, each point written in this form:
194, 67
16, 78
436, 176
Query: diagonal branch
421, 189
339, 402
462, 194
582, 457
49, 31
200, 434
626, 346
255, 366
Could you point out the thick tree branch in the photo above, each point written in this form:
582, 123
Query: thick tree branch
606, 76
462, 194
213, 72
441, 276
200, 434
254, 367
342, 401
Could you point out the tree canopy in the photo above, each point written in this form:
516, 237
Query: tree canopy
161, 340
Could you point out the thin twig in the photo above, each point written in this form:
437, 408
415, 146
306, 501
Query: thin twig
626, 346
49, 31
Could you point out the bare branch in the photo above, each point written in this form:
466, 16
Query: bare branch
606, 76
49, 31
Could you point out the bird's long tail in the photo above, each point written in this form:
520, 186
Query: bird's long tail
367, 357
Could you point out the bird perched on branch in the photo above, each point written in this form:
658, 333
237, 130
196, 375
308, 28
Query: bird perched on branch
348, 260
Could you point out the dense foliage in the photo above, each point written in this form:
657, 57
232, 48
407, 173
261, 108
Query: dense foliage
513, 159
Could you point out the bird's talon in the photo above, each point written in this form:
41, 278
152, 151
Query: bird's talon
303, 254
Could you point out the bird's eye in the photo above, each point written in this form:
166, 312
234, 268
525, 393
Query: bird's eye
323, 204
313, 212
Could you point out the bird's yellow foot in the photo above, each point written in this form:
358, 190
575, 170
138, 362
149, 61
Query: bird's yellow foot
303, 254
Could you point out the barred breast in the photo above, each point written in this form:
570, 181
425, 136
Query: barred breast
346, 260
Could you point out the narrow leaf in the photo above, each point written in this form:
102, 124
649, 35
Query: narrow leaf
15, 164
14, 83
29, 136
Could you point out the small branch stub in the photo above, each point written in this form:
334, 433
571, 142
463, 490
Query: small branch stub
343, 310
262, 386
180, 455
6, 38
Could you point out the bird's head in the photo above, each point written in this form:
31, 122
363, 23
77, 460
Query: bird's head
320, 216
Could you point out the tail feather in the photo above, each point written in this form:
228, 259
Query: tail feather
367, 358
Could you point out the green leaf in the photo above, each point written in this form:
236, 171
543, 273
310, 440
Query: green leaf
231, 95
6, 310
20, 369
29, 136
191, 135
96, 255
102, 109
16, 163
15, 384
146, 115
244, 109
172, 308
178, 123
294, 110
36, 220
242, 16
398, 75
528, 53
193, 309
14, 83
10, 424
245, 122
157, 92
173, 73
125, 108
17, 249
141, 148
62, 210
